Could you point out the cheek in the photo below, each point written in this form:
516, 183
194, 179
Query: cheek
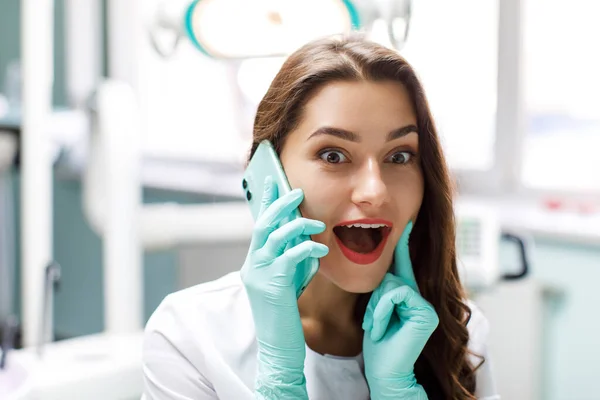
322, 194
320, 199
323, 199
406, 192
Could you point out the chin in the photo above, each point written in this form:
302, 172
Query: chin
354, 278
359, 287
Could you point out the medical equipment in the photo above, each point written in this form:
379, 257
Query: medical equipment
36, 160
51, 280
83, 33
265, 163
241, 29
92, 367
9, 328
478, 238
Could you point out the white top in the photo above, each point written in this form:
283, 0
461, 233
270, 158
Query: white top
200, 344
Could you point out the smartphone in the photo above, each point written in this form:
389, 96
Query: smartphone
263, 163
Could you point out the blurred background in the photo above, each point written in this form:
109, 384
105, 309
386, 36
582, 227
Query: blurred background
124, 127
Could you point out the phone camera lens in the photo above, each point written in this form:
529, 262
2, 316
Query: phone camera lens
248, 196
244, 184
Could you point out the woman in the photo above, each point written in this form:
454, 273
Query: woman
385, 317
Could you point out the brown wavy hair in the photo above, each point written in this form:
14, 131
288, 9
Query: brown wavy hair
442, 368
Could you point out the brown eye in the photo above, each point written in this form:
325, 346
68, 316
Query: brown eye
401, 157
333, 157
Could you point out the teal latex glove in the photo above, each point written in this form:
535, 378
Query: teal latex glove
268, 276
398, 323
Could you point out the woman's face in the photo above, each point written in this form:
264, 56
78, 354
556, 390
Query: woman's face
355, 154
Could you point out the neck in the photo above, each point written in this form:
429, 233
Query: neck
329, 320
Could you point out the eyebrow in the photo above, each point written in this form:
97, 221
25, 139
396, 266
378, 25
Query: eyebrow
353, 137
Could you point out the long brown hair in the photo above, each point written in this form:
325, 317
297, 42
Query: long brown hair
442, 368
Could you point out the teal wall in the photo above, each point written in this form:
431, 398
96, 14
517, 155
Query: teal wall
10, 38
10, 35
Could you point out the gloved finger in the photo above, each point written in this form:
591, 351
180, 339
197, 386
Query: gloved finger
302, 251
403, 267
409, 305
270, 194
273, 214
367, 324
282, 236
388, 283
398, 297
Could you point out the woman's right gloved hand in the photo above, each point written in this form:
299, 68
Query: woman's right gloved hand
268, 276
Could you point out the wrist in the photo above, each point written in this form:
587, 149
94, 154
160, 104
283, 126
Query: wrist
399, 388
272, 392
280, 384
281, 368
415, 393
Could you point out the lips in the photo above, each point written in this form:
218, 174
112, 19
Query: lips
362, 241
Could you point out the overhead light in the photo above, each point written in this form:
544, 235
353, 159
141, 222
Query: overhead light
247, 29
240, 29
243, 29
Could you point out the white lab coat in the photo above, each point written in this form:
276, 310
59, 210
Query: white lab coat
200, 344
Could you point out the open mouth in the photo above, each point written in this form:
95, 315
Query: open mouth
362, 238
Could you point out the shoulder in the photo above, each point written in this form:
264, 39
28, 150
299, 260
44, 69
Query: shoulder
200, 341
208, 297
208, 314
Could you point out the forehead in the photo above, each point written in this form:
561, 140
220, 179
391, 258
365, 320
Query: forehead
360, 105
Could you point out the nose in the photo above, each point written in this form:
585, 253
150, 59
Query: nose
369, 188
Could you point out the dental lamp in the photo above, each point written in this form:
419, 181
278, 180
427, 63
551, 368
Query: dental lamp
243, 29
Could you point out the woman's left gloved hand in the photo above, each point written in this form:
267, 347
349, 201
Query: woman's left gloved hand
398, 323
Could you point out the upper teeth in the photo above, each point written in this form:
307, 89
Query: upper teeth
366, 225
